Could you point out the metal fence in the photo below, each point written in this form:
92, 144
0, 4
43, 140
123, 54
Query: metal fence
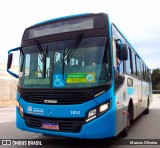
156, 91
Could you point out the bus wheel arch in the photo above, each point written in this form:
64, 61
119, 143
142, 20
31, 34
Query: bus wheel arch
130, 115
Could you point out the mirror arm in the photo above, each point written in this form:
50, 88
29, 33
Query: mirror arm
14, 49
13, 74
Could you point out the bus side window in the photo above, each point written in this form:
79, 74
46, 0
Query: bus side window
134, 64
128, 63
131, 61
138, 67
143, 71
119, 66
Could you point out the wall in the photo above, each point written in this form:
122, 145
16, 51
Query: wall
8, 89
8, 86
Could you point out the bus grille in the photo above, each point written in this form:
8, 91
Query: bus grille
63, 99
65, 125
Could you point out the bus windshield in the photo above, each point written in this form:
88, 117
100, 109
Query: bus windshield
74, 63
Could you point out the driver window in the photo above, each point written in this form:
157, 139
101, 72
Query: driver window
118, 63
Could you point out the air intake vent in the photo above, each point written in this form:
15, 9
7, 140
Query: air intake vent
65, 125
56, 98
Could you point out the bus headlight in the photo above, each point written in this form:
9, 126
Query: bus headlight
103, 107
94, 113
20, 109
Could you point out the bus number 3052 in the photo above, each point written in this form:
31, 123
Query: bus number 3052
75, 112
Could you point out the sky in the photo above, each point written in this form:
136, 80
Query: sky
139, 21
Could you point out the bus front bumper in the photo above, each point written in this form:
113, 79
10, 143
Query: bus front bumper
101, 127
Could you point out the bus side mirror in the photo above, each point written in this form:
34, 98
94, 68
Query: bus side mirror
123, 52
9, 62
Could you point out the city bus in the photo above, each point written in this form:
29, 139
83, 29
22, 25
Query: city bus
79, 77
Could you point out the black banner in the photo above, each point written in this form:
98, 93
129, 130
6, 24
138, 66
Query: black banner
39, 142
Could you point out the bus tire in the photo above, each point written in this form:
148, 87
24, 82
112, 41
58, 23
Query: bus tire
146, 112
126, 129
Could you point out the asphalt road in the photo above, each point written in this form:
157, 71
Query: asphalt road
144, 127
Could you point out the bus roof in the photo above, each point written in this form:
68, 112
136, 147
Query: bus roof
67, 24
61, 18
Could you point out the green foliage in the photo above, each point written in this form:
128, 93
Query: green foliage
156, 79
157, 87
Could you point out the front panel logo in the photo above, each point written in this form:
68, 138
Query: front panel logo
29, 108
50, 101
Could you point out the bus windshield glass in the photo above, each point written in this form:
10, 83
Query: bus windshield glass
74, 63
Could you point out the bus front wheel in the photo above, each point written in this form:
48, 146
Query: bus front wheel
126, 129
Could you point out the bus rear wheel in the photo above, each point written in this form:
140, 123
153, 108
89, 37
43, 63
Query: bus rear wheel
147, 109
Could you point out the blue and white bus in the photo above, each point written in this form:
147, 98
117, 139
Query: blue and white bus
79, 77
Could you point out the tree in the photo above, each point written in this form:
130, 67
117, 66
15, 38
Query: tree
157, 87
156, 79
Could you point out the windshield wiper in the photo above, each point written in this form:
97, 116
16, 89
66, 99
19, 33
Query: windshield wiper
73, 47
42, 55
63, 61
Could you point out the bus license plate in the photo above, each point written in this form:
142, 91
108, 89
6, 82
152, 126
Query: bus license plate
51, 126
